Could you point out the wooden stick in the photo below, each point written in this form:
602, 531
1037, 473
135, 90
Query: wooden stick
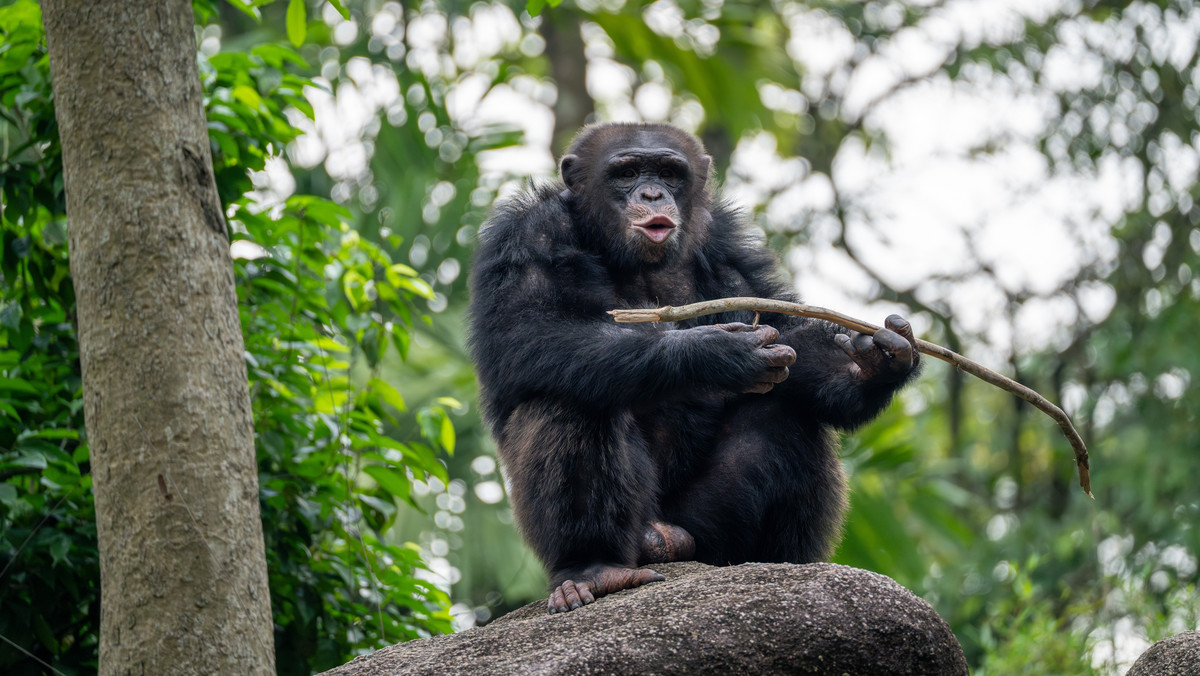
668, 313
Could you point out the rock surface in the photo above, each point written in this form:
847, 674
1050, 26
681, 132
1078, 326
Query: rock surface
1178, 655
751, 619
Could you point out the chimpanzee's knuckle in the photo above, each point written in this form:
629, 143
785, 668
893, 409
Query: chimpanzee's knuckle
768, 334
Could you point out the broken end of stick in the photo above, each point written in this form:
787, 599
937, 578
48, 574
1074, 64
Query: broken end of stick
630, 316
1081, 455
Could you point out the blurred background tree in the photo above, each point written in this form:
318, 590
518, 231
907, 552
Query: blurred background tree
1017, 177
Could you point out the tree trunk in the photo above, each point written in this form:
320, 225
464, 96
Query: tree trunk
182, 569
568, 67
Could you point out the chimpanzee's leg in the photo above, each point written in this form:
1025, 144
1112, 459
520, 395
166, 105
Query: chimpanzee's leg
773, 490
583, 488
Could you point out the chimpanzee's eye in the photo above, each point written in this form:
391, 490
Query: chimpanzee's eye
629, 173
666, 174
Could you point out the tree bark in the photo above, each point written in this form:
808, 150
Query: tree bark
182, 568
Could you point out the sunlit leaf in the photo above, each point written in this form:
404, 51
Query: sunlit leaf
329, 344
388, 393
297, 23
447, 435
390, 480
248, 95
418, 286
535, 7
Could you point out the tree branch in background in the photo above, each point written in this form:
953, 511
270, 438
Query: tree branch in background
668, 313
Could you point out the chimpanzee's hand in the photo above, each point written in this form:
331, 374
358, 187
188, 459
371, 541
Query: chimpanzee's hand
887, 357
771, 361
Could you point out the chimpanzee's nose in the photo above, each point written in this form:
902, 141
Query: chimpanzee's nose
651, 194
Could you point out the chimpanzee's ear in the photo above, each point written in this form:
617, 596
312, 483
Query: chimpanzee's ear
702, 168
568, 167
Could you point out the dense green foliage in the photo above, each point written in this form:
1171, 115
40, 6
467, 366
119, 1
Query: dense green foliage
318, 304
49, 579
959, 492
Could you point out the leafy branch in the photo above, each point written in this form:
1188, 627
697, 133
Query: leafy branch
668, 313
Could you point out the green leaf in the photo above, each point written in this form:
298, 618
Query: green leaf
402, 339
17, 385
330, 344
383, 507
10, 316
59, 548
247, 7
21, 246
337, 4
387, 393
535, 7
296, 22
40, 626
65, 433
25, 461
418, 286
323, 210
275, 55
329, 402
389, 480
450, 402
447, 434
248, 95
354, 286
397, 270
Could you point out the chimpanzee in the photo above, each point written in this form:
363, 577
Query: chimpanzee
633, 444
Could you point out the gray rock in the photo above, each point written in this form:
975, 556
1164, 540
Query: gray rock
750, 619
1178, 655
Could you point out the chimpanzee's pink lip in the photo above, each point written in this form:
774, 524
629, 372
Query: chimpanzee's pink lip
657, 228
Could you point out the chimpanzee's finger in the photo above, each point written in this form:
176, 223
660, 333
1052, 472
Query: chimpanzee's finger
780, 355
734, 327
901, 326
758, 388
571, 594
777, 375
896, 348
843, 341
767, 335
862, 341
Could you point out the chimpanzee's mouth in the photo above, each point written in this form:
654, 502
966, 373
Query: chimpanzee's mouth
657, 228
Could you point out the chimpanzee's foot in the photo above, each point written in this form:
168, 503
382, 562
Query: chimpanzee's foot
663, 542
588, 584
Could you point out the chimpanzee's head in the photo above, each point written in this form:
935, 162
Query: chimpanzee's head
640, 188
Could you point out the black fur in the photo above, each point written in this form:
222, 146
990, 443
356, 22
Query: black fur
603, 427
